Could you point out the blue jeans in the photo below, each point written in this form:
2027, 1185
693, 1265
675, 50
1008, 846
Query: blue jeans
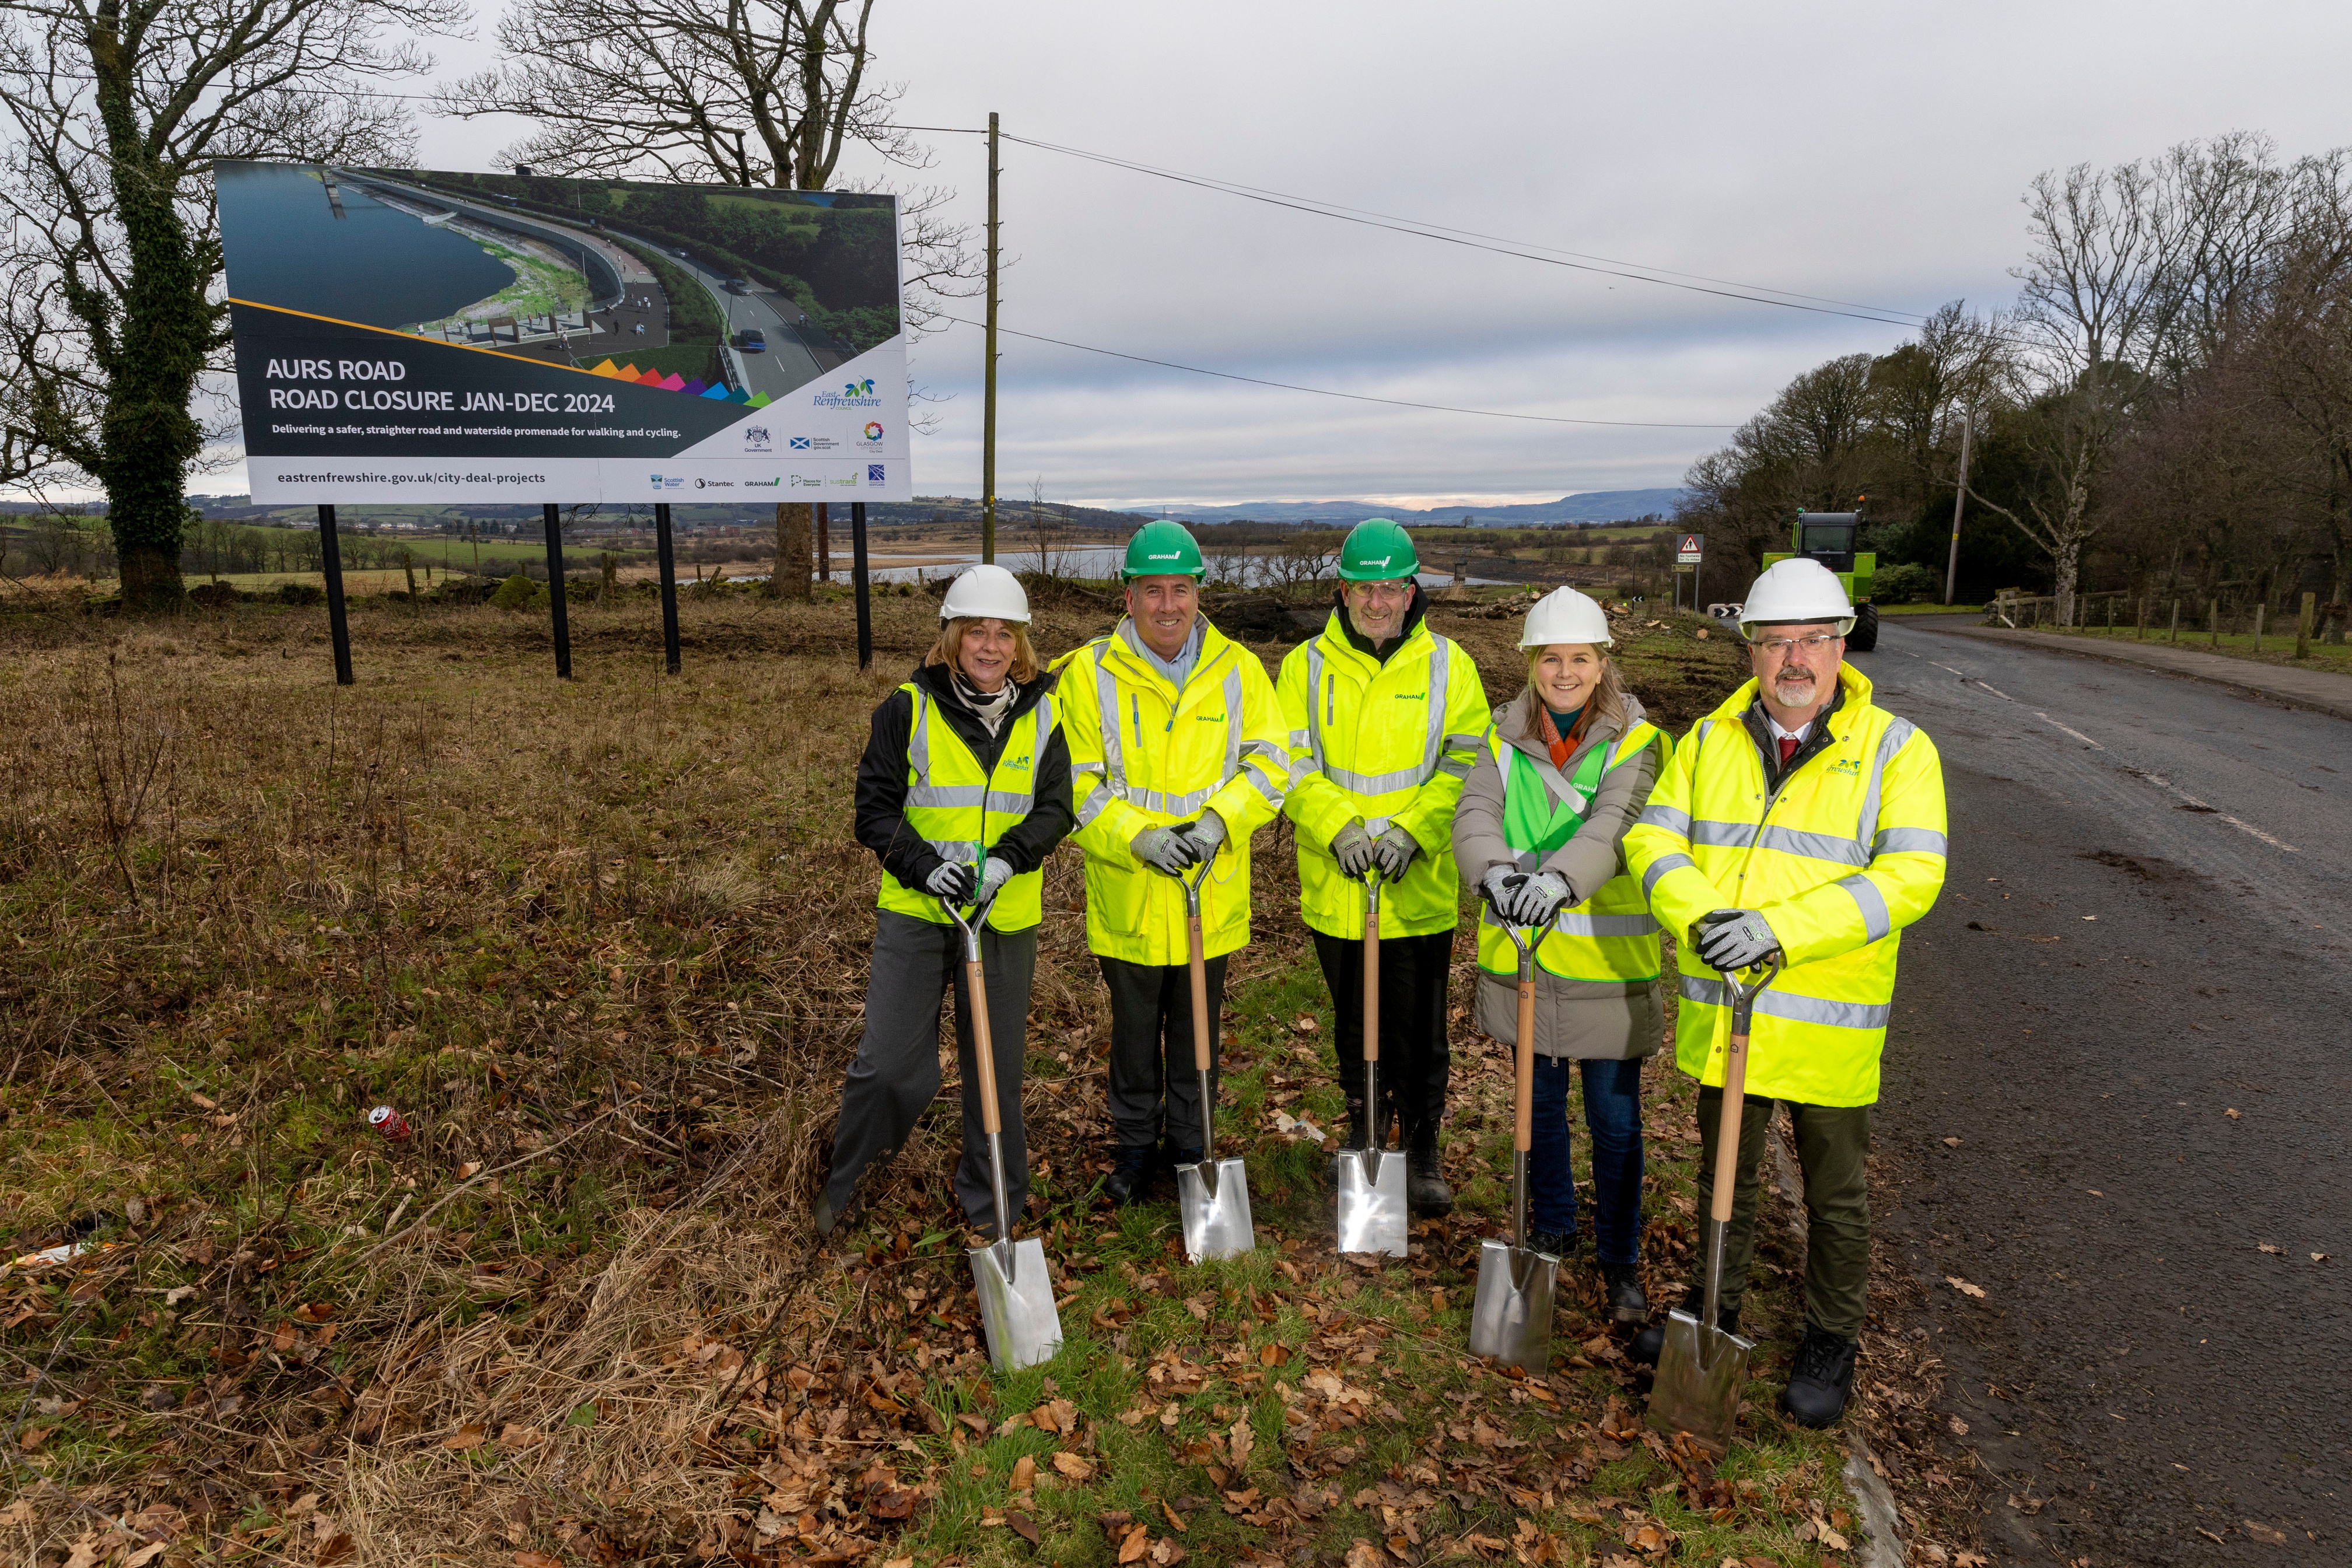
1613, 1113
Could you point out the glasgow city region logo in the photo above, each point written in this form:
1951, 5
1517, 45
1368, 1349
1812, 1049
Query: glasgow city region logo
874, 430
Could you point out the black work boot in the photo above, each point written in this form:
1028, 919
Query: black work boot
1426, 1192
1821, 1379
1556, 1243
1652, 1339
1131, 1177
1621, 1283
1180, 1156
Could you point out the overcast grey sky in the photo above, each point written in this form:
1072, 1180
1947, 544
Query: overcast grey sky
1868, 152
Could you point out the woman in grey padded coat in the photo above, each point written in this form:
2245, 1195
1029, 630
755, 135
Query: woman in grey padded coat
1540, 829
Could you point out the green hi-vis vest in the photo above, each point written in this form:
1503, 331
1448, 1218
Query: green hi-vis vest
1609, 937
961, 810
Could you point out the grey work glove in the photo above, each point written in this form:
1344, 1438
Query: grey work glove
1206, 833
1165, 849
951, 879
1392, 851
993, 875
1735, 939
1503, 884
1542, 896
1352, 847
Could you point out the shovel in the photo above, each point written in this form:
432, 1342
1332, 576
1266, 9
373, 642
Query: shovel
1372, 1179
1511, 1319
1016, 1297
1701, 1368
1214, 1195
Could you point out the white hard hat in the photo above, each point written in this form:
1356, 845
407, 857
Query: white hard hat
1793, 592
1565, 615
984, 591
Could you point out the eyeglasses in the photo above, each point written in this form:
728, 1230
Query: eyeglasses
1781, 647
1384, 588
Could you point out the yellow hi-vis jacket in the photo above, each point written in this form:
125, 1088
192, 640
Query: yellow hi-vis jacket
1143, 754
1848, 851
1389, 742
961, 809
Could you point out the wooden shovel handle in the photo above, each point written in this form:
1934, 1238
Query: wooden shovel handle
1203, 1058
1373, 980
1522, 1088
1727, 1127
975, 995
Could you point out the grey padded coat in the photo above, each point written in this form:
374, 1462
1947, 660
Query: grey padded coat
1608, 1020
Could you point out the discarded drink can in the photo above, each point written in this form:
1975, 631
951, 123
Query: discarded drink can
387, 1121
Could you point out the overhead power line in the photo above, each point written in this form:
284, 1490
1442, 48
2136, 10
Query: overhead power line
1351, 396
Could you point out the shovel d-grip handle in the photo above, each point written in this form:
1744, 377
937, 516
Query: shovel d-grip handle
975, 991
1734, 1085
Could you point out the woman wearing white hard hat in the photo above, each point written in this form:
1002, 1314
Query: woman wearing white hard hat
1564, 771
964, 790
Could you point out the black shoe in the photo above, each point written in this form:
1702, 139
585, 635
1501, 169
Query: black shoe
1179, 1158
1650, 1342
1426, 1192
826, 1220
1621, 1282
1555, 1242
1131, 1177
1821, 1380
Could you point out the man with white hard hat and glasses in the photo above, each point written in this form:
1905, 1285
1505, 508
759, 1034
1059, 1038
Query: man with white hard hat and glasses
1800, 819
963, 792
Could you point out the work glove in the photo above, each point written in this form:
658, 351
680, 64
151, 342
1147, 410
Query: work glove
1165, 849
951, 879
1542, 896
993, 875
1503, 883
1206, 833
1735, 939
1352, 847
1392, 851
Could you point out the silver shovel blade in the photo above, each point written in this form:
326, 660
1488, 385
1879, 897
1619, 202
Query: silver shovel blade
1511, 1319
1372, 1201
1701, 1371
1016, 1304
1213, 1198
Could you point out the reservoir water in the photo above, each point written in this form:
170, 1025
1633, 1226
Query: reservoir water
375, 264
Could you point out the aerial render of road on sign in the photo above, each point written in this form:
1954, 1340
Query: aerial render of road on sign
2112, 1112
515, 338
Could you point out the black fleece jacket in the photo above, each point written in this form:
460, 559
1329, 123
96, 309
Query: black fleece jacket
882, 779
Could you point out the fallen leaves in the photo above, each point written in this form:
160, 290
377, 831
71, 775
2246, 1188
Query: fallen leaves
1951, 1143
1964, 1288
1025, 1474
1959, 1427
2234, 1114
469, 1436
2273, 1248
1073, 1467
2263, 1532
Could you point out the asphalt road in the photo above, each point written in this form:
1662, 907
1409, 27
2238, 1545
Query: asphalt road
2131, 1010
788, 363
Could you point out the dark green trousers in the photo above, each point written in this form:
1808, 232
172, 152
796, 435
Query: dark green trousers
1831, 1144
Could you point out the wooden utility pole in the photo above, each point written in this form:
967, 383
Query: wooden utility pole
824, 544
789, 580
988, 404
2302, 627
1952, 570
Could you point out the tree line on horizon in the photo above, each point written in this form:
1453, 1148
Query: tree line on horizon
2164, 411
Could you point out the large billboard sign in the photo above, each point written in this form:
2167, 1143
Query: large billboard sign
403, 335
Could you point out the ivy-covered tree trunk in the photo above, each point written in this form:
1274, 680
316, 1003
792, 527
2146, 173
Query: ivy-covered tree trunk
153, 350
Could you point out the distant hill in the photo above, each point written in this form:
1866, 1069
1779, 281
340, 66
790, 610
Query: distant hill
1591, 506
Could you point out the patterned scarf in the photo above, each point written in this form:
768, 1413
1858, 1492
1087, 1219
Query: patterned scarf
1562, 747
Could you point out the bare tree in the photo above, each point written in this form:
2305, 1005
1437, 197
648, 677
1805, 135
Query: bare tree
112, 112
1047, 532
765, 93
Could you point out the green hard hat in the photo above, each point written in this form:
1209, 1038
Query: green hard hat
1162, 548
1377, 549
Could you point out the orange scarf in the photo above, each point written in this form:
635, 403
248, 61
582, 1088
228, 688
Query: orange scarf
1562, 747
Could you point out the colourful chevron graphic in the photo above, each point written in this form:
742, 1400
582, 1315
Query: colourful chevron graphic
716, 392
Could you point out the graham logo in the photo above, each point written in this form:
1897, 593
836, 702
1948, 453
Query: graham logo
1382, 561
762, 484
1171, 555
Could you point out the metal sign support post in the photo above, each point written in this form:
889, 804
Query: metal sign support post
857, 577
668, 585
331, 560
554, 523
1690, 551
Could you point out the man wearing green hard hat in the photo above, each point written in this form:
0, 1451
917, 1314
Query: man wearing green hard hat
1177, 756
1385, 718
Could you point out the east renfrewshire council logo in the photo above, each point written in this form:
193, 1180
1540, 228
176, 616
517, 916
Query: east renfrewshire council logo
853, 394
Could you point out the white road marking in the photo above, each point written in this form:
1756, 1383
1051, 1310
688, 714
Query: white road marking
2165, 784
1997, 691
2076, 733
1961, 673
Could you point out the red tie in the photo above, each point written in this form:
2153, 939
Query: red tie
1789, 744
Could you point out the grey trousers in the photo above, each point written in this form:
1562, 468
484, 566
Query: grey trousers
1153, 1080
897, 1070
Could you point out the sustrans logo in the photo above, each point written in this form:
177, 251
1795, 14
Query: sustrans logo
757, 439
873, 430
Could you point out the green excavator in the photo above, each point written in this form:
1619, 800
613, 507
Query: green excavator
1827, 537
